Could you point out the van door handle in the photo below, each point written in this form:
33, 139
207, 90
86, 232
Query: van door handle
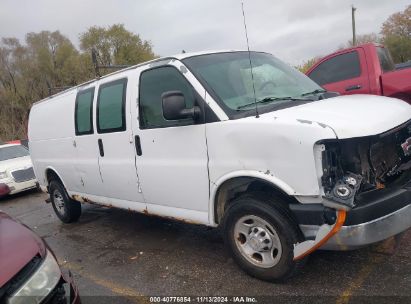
138, 145
353, 87
101, 147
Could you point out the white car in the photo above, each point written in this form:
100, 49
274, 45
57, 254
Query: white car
281, 165
16, 169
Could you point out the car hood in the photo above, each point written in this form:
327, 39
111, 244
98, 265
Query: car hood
18, 246
350, 115
16, 163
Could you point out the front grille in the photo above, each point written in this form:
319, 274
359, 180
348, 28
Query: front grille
23, 175
389, 155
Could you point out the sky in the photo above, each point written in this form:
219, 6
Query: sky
292, 30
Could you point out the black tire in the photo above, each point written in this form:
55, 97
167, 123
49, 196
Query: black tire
67, 210
275, 264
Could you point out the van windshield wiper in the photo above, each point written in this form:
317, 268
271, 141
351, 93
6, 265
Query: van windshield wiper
270, 99
317, 91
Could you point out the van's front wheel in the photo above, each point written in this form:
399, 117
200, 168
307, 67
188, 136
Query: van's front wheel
66, 209
261, 237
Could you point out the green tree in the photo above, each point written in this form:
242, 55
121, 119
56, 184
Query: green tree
396, 35
115, 45
29, 72
12, 93
363, 39
306, 65
55, 61
49, 60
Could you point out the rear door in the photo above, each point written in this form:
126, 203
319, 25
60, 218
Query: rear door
115, 144
345, 73
88, 179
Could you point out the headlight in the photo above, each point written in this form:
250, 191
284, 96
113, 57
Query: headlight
3, 174
40, 284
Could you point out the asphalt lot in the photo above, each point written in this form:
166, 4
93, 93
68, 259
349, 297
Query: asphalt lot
123, 257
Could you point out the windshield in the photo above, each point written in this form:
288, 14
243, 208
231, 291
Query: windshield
228, 77
12, 152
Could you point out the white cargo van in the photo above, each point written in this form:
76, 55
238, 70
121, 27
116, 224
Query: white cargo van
283, 166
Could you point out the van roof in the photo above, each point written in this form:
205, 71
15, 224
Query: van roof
178, 57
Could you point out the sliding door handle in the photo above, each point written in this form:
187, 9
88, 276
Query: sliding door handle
101, 147
138, 145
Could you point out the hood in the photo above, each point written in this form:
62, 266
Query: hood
18, 245
351, 115
16, 163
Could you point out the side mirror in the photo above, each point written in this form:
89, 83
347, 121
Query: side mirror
174, 106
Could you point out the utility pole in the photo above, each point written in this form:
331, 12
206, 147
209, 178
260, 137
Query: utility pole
354, 38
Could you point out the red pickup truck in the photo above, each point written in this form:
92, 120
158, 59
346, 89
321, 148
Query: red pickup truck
364, 69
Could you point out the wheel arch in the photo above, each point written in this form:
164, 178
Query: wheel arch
233, 184
51, 173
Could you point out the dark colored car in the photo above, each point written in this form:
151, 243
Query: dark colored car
29, 272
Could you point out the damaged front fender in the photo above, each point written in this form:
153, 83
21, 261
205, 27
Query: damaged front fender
355, 167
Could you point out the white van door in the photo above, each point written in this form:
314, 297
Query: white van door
87, 173
116, 147
171, 155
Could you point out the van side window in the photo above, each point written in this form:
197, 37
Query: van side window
84, 112
111, 106
338, 68
155, 82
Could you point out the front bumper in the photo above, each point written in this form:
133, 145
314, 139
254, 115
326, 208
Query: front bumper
65, 292
15, 187
74, 296
356, 236
377, 216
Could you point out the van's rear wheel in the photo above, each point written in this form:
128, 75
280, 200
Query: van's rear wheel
261, 235
67, 210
